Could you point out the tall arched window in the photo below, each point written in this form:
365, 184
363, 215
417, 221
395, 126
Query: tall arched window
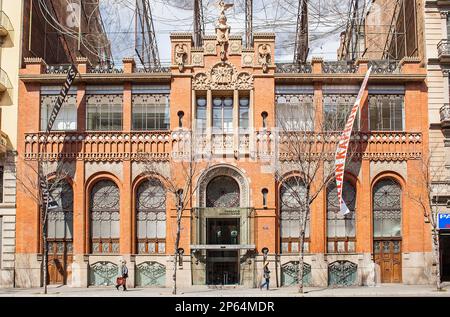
340, 228
293, 210
223, 192
60, 232
60, 213
104, 207
151, 217
387, 223
387, 209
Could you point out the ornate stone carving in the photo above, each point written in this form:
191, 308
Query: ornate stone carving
180, 55
247, 59
264, 57
222, 76
244, 81
201, 82
222, 28
197, 59
235, 47
210, 48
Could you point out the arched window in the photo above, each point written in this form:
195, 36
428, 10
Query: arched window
223, 192
151, 217
341, 228
104, 207
293, 211
60, 213
387, 209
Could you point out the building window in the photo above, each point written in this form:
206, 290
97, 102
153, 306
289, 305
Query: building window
104, 112
264, 192
223, 115
67, 115
264, 116
150, 112
201, 115
295, 112
244, 104
105, 217
151, 217
223, 192
341, 228
60, 214
292, 214
386, 112
337, 110
387, 209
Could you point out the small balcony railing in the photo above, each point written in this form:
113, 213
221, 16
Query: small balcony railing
5, 25
443, 49
445, 116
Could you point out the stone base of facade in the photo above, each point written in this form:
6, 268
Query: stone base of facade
157, 270
28, 271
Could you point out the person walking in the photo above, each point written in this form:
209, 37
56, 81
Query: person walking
124, 275
266, 276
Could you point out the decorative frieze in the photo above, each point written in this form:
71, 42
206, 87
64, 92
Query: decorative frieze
223, 76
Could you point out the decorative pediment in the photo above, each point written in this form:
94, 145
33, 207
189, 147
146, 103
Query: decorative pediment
223, 76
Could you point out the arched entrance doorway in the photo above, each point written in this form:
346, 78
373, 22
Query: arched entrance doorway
387, 220
222, 267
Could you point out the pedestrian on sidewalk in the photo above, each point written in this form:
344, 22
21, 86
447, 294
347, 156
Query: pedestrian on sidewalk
266, 276
122, 281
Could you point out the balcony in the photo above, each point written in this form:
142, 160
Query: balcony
5, 26
444, 51
445, 116
3, 142
5, 83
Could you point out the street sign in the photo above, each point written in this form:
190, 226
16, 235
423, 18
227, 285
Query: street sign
444, 221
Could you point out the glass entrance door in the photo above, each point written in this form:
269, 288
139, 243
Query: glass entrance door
222, 267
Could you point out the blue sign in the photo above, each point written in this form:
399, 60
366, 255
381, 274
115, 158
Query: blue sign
444, 221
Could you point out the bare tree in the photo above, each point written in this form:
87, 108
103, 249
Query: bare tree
53, 176
304, 163
427, 189
180, 182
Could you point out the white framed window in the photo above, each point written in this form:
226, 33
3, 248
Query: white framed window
67, 115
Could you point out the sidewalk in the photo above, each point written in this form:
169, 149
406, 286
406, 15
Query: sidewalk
389, 290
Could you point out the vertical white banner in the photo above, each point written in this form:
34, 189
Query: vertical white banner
342, 148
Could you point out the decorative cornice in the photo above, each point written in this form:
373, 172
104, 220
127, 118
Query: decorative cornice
181, 35
34, 61
264, 35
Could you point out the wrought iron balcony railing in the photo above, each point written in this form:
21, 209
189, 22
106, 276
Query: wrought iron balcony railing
445, 116
443, 49
5, 25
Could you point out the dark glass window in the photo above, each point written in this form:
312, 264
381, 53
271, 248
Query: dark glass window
337, 110
201, 115
150, 112
386, 112
244, 104
104, 112
295, 112
223, 115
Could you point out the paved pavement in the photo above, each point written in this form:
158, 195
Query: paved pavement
388, 290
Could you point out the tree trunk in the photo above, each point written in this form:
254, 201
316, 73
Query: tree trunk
45, 250
437, 258
303, 221
177, 244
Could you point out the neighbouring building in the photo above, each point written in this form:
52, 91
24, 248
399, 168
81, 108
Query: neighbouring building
17, 42
437, 35
10, 34
225, 98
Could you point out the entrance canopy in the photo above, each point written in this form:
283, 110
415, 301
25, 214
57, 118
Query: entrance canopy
223, 246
